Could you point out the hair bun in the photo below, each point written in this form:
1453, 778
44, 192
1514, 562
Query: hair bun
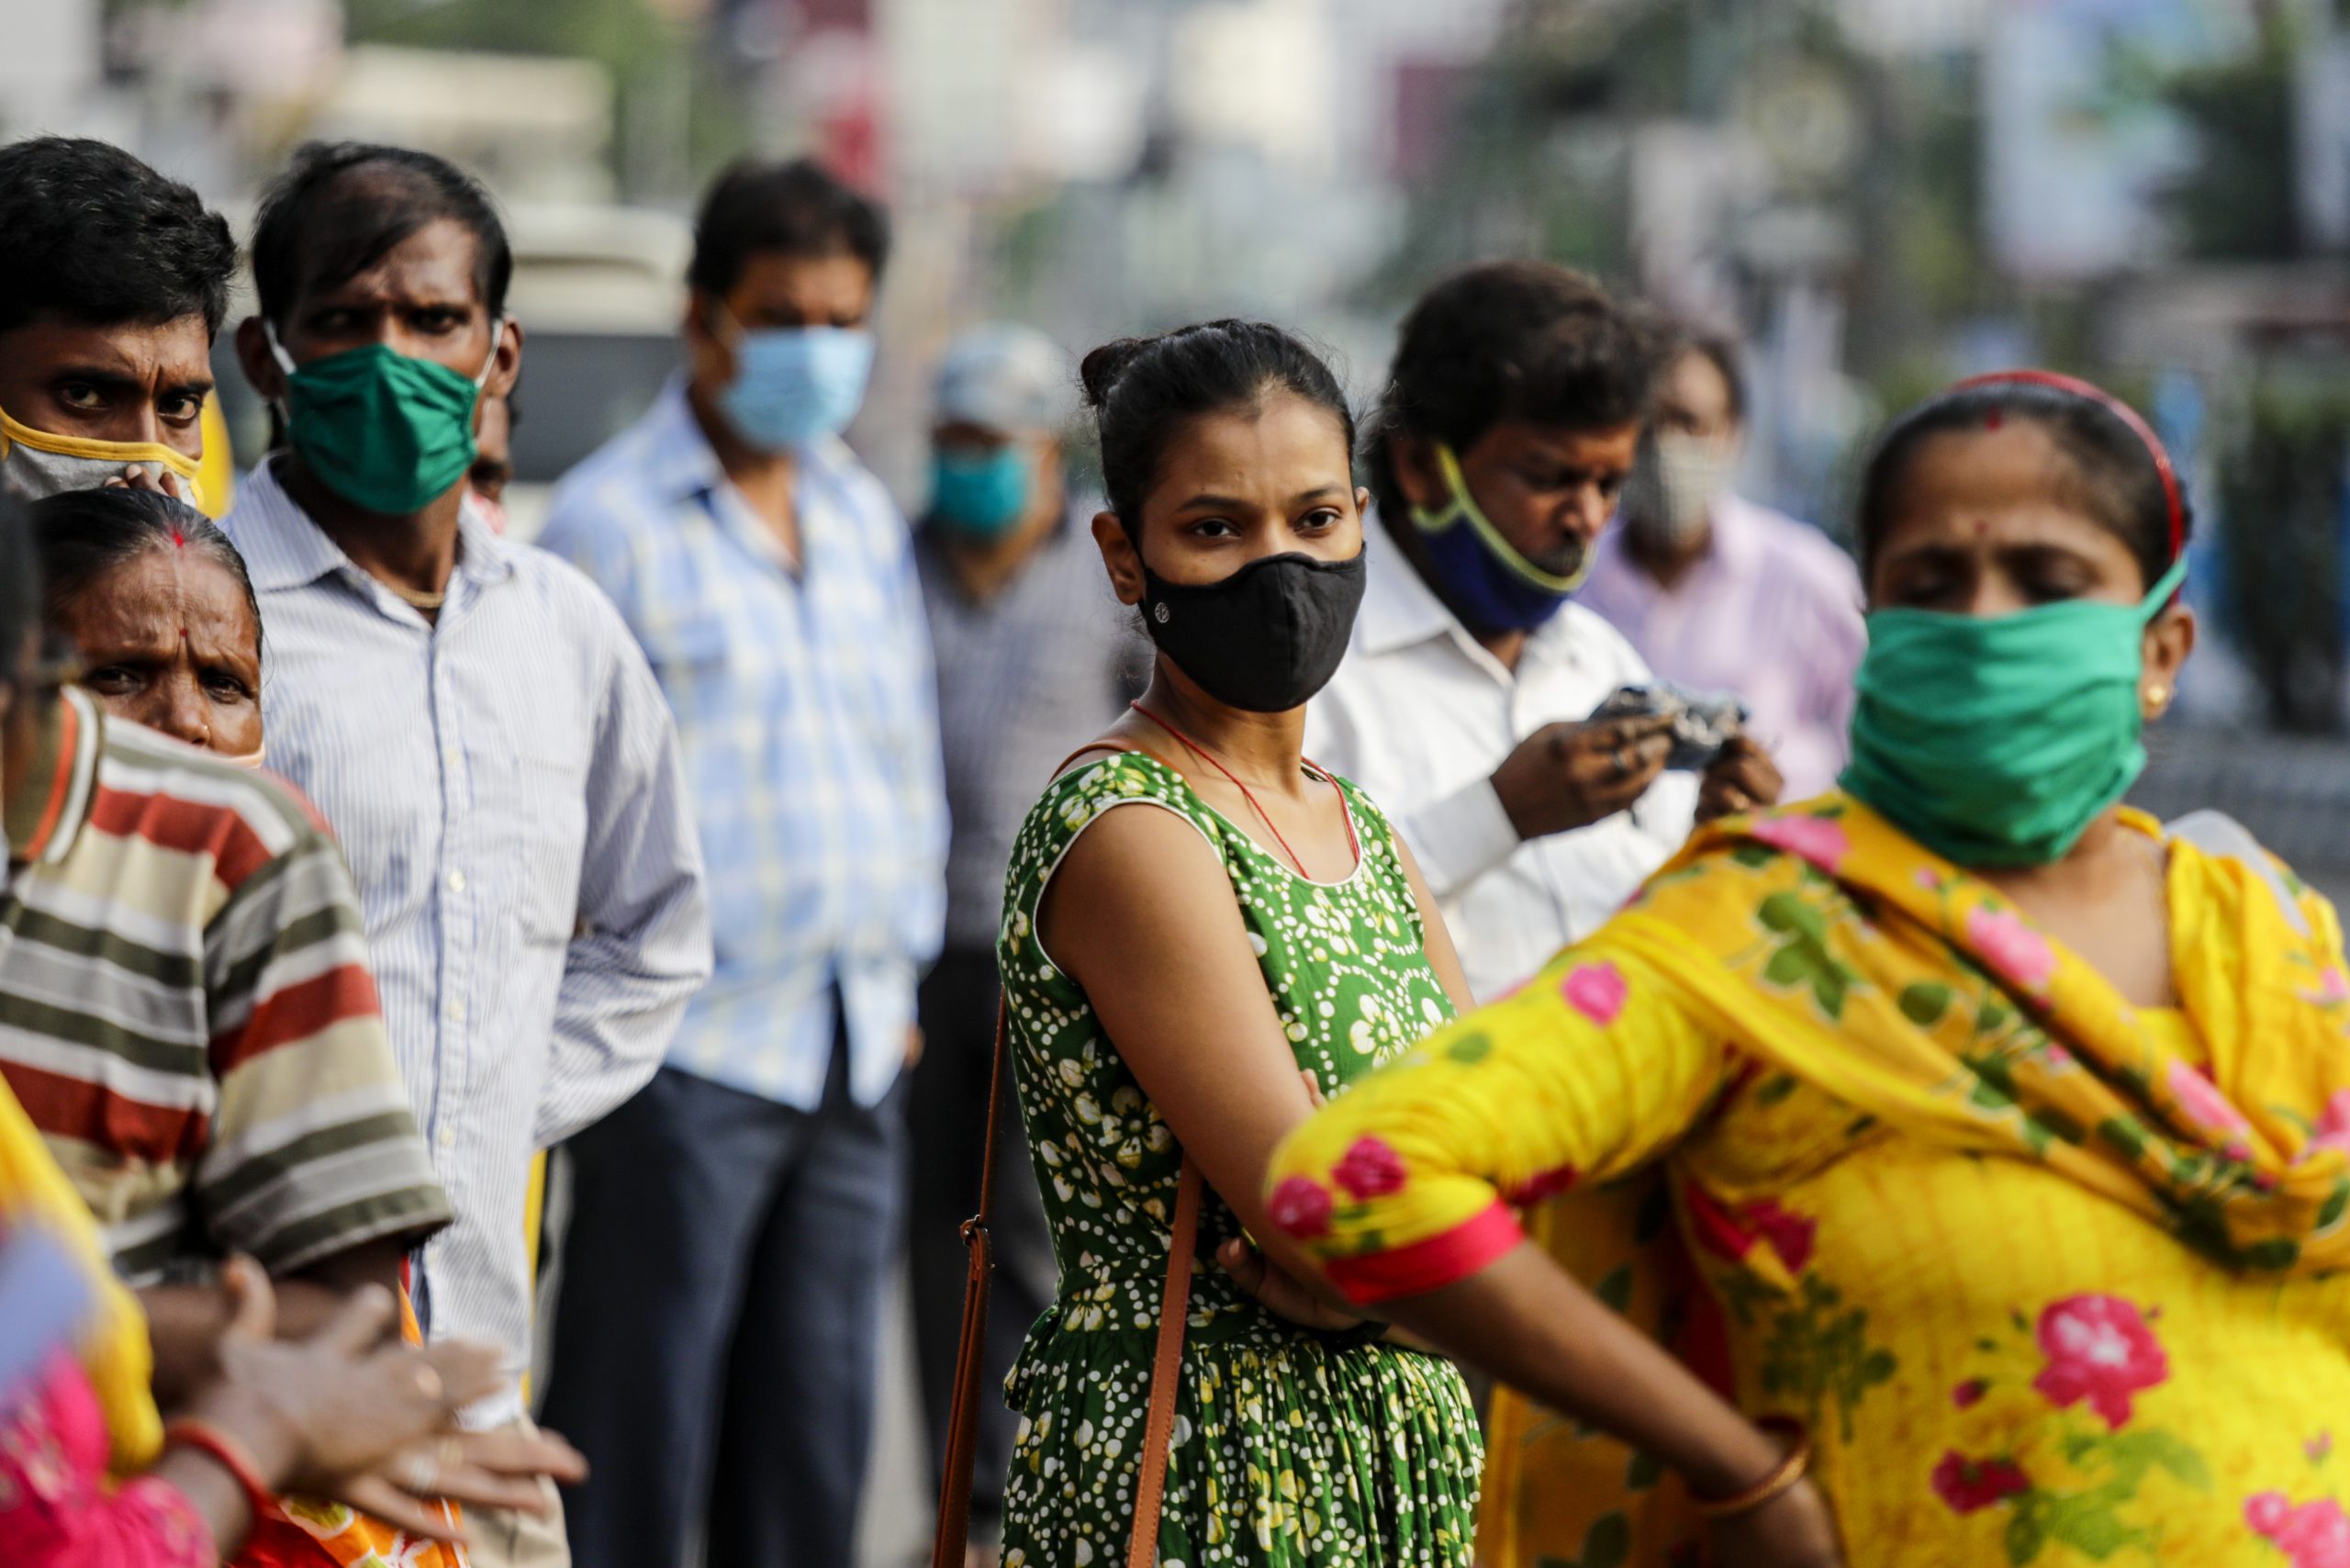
1099, 371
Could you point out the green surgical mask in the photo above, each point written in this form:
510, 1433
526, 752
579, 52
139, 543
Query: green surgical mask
1995, 740
386, 431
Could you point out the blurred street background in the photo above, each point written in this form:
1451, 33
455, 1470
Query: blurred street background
1880, 195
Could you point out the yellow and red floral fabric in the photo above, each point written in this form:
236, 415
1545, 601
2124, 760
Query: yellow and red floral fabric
2051, 1279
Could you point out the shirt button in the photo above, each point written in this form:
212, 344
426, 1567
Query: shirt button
456, 881
447, 1138
456, 1013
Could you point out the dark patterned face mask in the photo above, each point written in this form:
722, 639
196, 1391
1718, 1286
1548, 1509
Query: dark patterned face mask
1264, 639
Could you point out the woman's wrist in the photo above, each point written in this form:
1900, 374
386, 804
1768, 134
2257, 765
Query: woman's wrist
1738, 1461
1794, 1459
263, 1437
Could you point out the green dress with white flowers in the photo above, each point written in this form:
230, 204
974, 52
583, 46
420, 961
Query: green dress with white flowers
1291, 1446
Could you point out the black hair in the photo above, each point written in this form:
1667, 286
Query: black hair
1511, 340
340, 207
797, 208
2114, 477
89, 234
80, 537
19, 589
1721, 350
1142, 389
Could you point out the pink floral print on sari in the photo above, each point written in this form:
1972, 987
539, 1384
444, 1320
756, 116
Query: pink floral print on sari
2314, 1535
2099, 1350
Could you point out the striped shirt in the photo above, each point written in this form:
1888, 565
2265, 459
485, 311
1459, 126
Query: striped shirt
1025, 676
185, 1011
505, 784
810, 731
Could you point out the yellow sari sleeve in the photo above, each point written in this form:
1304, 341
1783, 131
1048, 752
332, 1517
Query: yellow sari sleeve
1406, 1182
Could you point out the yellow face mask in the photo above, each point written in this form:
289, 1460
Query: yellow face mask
35, 464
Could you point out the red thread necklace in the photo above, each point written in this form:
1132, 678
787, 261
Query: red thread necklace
1200, 752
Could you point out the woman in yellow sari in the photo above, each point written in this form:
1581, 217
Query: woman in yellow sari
1998, 1139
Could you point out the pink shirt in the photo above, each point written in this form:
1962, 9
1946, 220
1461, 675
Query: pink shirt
55, 1509
1771, 611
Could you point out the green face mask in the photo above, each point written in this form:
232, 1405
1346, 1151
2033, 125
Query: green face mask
1996, 741
385, 431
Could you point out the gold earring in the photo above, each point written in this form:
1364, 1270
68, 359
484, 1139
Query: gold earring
2158, 697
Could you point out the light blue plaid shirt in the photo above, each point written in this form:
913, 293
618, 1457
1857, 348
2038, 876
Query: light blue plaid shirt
809, 723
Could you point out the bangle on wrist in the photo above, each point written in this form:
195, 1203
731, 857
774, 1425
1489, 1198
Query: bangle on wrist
225, 1451
1779, 1479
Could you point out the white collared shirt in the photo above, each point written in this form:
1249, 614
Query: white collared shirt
1420, 715
504, 780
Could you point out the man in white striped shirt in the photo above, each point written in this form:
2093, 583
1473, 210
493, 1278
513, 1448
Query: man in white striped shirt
471, 715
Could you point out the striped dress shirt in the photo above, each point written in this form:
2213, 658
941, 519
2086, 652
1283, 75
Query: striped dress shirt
185, 1012
809, 722
505, 784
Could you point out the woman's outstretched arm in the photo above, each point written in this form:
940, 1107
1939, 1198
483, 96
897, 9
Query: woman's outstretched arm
1589, 1072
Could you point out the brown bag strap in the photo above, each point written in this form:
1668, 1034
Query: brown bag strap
952, 1541
1166, 1370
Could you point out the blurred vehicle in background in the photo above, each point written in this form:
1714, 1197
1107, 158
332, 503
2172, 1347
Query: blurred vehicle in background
599, 291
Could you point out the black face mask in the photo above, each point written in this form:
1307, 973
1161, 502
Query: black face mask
1264, 639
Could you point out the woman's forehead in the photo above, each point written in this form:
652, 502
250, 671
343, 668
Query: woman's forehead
2008, 483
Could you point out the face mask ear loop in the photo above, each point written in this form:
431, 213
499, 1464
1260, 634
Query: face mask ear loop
497, 336
285, 365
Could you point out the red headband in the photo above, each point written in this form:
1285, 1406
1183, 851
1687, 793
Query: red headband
2120, 410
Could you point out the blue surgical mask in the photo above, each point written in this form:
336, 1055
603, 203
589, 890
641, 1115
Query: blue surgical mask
979, 494
796, 384
1488, 583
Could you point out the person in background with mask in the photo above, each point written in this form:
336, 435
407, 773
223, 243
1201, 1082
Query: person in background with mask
1720, 594
1516, 402
159, 605
1033, 656
1182, 980
471, 716
113, 281
716, 1341
1510, 421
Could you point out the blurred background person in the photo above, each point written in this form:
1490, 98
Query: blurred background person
1032, 657
469, 714
159, 607
1518, 399
113, 283
1720, 594
1515, 405
736, 1222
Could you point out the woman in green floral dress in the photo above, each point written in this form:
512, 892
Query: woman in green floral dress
1184, 978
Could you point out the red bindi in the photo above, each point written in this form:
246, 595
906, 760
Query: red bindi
1993, 420
182, 633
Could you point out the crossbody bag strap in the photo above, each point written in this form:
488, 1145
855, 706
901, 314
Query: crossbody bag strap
953, 1538
951, 1543
1166, 1370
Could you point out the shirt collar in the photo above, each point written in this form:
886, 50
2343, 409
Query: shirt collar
285, 549
1398, 609
44, 814
682, 463
1737, 543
